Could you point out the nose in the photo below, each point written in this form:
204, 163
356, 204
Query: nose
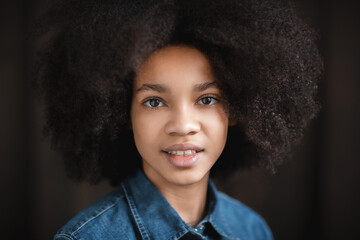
183, 120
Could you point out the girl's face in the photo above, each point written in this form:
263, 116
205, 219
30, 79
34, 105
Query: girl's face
178, 120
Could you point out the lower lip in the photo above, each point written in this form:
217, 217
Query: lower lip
183, 161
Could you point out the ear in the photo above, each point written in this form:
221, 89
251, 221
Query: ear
232, 122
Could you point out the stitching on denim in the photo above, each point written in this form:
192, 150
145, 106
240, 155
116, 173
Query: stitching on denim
64, 235
95, 216
224, 196
97, 213
143, 231
227, 226
178, 235
222, 233
236, 202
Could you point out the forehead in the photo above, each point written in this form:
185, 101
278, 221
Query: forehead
175, 62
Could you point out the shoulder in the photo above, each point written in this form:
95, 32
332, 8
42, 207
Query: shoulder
242, 220
107, 217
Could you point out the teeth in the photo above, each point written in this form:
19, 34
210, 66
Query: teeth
182, 153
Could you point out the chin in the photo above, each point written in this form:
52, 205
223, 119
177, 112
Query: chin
187, 177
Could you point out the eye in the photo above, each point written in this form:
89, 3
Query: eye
153, 103
207, 101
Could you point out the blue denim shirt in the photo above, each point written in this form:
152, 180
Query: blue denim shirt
137, 210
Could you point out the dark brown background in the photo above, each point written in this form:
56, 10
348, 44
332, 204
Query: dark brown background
316, 195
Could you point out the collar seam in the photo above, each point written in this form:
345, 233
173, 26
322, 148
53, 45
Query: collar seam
96, 214
179, 234
130, 199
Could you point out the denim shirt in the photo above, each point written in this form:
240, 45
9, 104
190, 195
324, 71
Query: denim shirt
137, 210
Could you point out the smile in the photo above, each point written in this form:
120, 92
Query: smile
182, 153
183, 159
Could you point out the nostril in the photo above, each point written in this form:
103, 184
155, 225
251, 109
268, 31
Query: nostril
178, 127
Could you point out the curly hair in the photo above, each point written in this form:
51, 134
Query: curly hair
264, 58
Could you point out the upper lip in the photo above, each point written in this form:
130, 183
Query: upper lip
183, 147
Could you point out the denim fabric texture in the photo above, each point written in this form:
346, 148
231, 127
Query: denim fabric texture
137, 210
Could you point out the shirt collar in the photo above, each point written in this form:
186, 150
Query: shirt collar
216, 217
156, 218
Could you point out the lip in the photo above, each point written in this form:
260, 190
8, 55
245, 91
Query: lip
182, 147
183, 161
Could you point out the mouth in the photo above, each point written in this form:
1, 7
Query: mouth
183, 155
182, 148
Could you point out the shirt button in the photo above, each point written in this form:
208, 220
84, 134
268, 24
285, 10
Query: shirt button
196, 230
201, 227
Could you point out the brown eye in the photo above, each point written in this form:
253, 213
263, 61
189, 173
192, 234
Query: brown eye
207, 101
153, 103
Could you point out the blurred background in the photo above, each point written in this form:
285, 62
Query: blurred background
316, 195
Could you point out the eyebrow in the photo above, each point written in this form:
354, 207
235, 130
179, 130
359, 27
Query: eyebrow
154, 87
203, 86
162, 89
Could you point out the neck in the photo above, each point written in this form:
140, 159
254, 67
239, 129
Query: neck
189, 201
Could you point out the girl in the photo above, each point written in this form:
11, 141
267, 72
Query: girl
156, 96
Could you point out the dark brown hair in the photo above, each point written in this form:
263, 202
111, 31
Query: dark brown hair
264, 58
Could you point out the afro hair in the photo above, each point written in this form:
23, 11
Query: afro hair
264, 58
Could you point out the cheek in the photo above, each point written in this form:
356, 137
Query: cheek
146, 130
138, 125
217, 128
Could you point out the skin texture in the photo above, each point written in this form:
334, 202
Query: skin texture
178, 113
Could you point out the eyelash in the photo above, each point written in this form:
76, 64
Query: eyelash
214, 100
146, 103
